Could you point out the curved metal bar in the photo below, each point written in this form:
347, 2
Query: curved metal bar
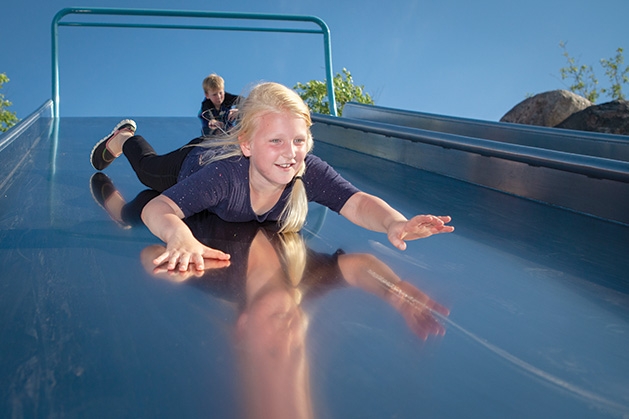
56, 22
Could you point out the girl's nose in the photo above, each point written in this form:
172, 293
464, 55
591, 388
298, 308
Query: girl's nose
289, 150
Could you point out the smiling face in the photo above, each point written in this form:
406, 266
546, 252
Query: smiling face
276, 149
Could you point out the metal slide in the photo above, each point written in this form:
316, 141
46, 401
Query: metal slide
533, 296
581, 171
593, 144
522, 312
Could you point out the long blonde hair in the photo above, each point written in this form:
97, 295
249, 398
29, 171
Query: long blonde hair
268, 97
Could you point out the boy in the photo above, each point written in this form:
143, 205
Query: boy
216, 112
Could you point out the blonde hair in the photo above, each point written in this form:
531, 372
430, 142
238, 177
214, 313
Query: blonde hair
213, 82
293, 256
264, 98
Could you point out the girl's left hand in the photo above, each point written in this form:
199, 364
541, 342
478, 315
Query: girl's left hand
418, 227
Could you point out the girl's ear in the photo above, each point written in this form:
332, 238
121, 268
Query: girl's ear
245, 146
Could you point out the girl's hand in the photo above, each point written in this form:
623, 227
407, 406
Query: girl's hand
164, 218
187, 252
418, 227
150, 254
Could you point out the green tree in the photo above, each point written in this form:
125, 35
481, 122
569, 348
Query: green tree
315, 93
617, 75
7, 118
584, 81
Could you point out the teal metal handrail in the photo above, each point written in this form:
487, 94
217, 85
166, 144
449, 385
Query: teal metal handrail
323, 29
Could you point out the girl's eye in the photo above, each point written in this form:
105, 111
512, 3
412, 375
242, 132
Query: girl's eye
299, 141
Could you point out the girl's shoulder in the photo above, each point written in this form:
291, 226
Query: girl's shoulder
315, 161
316, 166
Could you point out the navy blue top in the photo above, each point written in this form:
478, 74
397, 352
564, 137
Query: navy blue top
222, 187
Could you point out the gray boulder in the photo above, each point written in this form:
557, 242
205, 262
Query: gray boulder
611, 118
546, 109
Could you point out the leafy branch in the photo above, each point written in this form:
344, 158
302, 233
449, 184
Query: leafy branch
315, 93
7, 118
584, 81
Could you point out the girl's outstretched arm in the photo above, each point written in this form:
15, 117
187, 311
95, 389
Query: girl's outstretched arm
375, 214
164, 218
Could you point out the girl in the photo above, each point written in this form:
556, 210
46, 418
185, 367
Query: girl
262, 170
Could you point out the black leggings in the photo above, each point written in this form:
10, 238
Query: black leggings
158, 172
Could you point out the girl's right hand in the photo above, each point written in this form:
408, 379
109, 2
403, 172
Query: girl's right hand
187, 253
149, 253
164, 218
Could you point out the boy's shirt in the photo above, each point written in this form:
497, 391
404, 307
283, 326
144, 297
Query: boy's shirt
208, 111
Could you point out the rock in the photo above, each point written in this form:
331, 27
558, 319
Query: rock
611, 118
546, 109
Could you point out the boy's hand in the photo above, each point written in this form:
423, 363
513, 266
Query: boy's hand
213, 123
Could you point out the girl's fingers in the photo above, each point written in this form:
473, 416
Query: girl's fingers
172, 260
183, 261
197, 262
215, 254
161, 258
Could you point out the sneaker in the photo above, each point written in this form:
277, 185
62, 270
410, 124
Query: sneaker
102, 188
101, 157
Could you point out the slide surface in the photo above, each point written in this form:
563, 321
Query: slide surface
524, 308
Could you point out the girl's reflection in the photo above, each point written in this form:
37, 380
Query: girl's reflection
268, 277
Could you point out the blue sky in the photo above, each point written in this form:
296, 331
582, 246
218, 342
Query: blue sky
451, 57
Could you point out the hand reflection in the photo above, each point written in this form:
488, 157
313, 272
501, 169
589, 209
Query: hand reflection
417, 309
372, 275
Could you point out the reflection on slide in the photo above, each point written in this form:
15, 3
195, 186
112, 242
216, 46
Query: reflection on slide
268, 277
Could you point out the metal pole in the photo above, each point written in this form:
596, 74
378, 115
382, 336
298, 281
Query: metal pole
324, 30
